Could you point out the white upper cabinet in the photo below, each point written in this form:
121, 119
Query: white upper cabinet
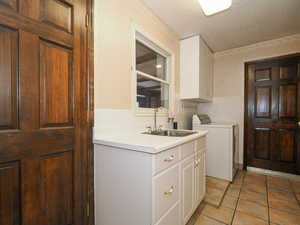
196, 70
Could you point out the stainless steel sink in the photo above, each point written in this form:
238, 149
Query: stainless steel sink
171, 133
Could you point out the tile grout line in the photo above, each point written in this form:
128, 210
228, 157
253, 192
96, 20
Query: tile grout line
267, 206
294, 192
267, 187
265, 183
238, 199
215, 219
226, 207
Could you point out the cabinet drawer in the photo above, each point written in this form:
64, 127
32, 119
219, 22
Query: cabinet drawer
187, 149
172, 217
166, 192
201, 143
165, 159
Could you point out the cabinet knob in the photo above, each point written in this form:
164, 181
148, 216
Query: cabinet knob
170, 159
170, 191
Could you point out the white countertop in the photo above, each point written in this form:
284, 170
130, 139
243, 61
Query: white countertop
144, 142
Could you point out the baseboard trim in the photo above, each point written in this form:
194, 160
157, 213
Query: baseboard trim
273, 173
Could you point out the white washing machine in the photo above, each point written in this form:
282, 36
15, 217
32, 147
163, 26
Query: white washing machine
222, 148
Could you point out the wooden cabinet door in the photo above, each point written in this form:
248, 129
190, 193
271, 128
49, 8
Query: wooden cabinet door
44, 128
273, 114
188, 188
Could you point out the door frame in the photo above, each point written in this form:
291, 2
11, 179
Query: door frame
90, 215
246, 65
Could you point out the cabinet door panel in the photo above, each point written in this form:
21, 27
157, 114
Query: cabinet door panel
196, 68
262, 143
288, 71
263, 102
8, 78
188, 182
30, 8
56, 74
58, 188
288, 101
197, 181
263, 74
59, 14
201, 179
287, 145
173, 217
9, 194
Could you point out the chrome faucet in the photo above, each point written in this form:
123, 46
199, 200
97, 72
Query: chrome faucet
155, 128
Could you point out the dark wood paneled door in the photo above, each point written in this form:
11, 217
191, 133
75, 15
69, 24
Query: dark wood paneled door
44, 123
273, 114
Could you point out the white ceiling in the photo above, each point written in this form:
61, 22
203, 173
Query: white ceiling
246, 22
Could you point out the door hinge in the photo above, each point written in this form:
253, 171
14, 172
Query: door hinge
88, 209
87, 20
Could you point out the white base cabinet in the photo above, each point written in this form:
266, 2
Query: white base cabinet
136, 188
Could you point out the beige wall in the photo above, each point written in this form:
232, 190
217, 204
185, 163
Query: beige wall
228, 104
114, 38
114, 21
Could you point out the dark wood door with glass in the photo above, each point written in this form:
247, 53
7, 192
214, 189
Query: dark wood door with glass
44, 126
272, 137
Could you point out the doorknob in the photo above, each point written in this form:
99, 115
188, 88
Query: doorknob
299, 124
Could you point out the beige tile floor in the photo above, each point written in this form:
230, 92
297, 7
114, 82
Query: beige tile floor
215, 190
254, 199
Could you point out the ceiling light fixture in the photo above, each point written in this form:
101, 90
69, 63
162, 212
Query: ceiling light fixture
211, 7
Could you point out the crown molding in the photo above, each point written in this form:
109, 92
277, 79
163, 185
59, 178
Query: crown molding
270, 43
